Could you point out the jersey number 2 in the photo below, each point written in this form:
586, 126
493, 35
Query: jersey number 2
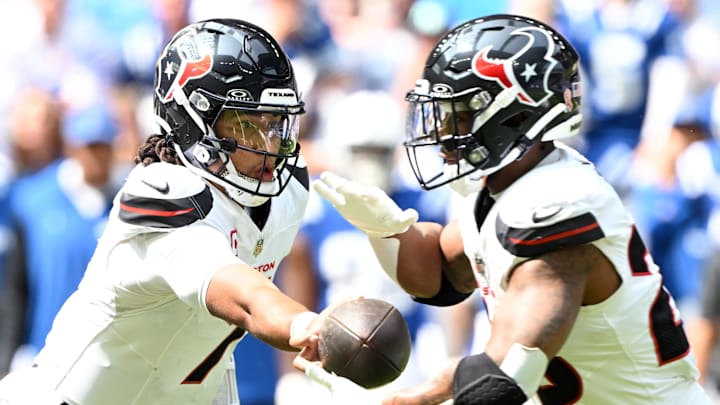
665, 325
565, 386
666, 331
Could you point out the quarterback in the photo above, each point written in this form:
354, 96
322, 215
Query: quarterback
184, 268
579, 313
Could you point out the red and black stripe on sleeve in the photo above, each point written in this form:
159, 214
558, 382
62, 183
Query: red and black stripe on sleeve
531, 242
165, 213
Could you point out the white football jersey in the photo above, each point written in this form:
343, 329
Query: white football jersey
137, 330
629, 349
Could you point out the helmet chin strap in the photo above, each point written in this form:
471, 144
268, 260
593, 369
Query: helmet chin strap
241, 197
467, 184
475, 181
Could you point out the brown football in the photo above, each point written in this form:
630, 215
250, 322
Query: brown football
365, 340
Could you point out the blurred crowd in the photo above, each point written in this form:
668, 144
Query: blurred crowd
76, 103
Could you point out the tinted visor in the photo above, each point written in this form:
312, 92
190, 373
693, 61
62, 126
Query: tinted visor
266, 132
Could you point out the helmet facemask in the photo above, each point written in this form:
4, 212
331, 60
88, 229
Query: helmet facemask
451, 126
491, 89
269, 132
456, 127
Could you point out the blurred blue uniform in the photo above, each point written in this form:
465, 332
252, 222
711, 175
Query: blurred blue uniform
460, 11
57, 240
8, 341
673, 224
616, 52
257, 371
113, 23
674, 217
58, 218
5, 231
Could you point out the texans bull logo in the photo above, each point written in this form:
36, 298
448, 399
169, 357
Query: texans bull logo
193, 65
534, 73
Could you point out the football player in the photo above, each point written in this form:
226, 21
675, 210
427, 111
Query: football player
578, 308
184, 268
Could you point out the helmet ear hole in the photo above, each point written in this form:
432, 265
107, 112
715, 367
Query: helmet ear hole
517, 120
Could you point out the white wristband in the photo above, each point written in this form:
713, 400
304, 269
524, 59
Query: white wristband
301, 322
526, 366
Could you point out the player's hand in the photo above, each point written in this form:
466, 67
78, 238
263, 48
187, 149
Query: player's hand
417, 395
342, 390
305, 335
368, 208
437, 390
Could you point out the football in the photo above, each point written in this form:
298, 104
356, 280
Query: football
365, 340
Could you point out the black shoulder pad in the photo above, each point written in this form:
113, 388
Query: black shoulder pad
531, 242
447, 295
302, 175
165, 213
483, 203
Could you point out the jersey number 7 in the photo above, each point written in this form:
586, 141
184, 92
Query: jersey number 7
203, 369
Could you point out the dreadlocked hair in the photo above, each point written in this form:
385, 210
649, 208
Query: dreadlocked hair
157, 148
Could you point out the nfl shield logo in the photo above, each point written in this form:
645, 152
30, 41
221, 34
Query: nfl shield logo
258, 247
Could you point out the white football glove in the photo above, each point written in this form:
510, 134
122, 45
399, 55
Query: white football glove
368, 208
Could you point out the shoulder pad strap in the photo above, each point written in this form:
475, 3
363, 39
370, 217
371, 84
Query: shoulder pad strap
301, 174
165, 213
483, 204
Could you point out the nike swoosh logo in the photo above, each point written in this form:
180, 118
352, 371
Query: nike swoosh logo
163, 190
543, 214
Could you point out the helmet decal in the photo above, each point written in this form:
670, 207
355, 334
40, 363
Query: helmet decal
239, 95
193, 65
506, 71
441, 89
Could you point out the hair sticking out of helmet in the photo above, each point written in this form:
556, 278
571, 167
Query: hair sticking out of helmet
363, 132
214, 66
491, 88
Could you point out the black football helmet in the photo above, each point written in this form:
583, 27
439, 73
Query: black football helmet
491, 88
220, 65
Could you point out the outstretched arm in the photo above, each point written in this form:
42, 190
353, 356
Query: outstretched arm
531, 323
414, 254
424, 253
242, 296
